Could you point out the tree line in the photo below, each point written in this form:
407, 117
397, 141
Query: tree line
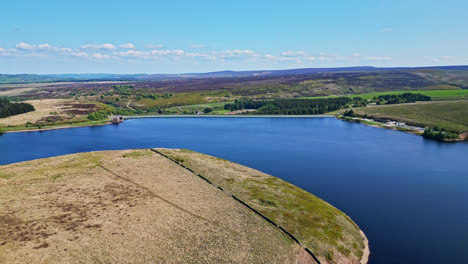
439, 134
401, 98
8, 108
290, 106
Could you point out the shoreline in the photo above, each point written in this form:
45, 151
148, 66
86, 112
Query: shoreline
462, 136
366, 250
164, 116
352, 120
119, 154
227, 116
56, 128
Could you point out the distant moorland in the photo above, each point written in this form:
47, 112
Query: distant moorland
230, 92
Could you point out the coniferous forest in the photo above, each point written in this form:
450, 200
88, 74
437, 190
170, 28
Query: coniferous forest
8, 108
402, 98
290, 106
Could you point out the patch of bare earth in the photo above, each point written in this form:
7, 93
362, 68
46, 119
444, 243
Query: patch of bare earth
237, 112
127, 207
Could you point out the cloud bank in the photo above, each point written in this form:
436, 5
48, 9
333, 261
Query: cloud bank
128, 53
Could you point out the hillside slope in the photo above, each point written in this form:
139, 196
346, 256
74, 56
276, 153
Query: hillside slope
132, 206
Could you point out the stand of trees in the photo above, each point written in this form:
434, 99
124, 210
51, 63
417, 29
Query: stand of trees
8, 108
438, 134
290, 106
401, 98
350, 113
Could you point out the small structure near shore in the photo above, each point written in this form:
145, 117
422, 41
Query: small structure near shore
117, 119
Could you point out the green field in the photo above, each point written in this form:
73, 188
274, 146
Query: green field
218, 108
4, 129
451, 116
436, 95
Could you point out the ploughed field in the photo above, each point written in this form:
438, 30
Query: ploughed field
136, 206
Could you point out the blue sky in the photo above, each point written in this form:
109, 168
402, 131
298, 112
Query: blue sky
198, 36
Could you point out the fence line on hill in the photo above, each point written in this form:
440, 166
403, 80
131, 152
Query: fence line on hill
243, 203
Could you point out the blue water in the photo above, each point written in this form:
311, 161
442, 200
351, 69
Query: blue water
409, 195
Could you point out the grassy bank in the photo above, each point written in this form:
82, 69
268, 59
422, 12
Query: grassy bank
327, 231
451, 116
436, 95
21, 128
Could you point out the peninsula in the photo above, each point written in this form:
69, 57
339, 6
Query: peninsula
167, 206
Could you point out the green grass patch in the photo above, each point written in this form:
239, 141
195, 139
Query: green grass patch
220, 112
5, 175
320, 226
53, 126
436, 95
450, 116
138, 153
191, 100
218, 108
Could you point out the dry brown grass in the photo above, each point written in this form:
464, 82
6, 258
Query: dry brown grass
43, 109
127, 207
327, 231
15, 92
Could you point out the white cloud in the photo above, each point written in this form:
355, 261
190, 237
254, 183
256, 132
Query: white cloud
133, 54
168, 52
127, 46
105, 46
41, 47
79, 54
293, 53
109, 51
35, 55
100, 56
8, 52
387, 30
239, 52
26, 46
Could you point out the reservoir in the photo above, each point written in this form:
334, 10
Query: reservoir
408, 194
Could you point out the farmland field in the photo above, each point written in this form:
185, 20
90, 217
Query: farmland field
451, 115
218, 108
436, 95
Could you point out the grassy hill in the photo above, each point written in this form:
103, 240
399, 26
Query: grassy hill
328, 232
436, 95
136, 206
450, 115
271, 86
